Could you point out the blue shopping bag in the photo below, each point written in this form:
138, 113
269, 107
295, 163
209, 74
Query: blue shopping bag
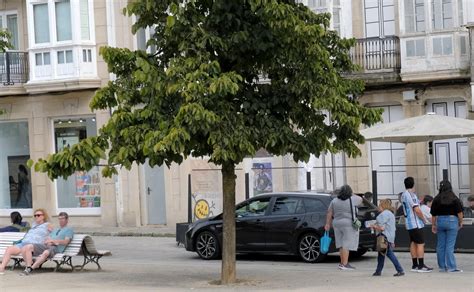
325, 242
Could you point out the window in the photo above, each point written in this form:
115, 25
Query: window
254, 208
15, 179
461, 15
318, 6
63, 20
42, 59
41, 22
336, 16
314, 205
87, 56
463, 45
82, 189
65, 57
414, 15
379, 18
442, 46
415, 48
442, 14
85, 25
285, 206
9, 21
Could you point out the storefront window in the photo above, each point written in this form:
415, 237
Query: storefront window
82, 189
15, 177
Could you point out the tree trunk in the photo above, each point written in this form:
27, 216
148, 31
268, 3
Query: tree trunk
228, 273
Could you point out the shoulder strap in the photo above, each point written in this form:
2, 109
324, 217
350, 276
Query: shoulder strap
352, 209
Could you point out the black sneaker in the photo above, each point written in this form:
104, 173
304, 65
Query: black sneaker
399, 274
26, 272
377, 274
425, 269
414, 269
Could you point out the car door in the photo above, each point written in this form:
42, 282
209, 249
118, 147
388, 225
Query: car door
282, 223
250, 224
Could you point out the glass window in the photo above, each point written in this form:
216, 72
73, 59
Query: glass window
253, 208
84, 10
39, 59
141, 39
415, 48
12, 26
63, 21
46, 59
82, 189
314, 205
41, 22
414, 15
379, 18
442, 46
442, 14
61, 57
285, 206
15, 177
68, 56
463, 45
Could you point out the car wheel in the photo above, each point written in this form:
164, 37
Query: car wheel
309, 248
207, 246
358, 253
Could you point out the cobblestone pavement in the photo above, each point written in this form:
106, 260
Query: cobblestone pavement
157, 264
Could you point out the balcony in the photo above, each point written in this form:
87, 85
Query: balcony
378, 59
14, 68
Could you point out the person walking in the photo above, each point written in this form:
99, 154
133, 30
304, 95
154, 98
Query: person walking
341, 212
385, 226
414, 224
447, 212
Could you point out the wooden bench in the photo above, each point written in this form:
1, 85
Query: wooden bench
80, 245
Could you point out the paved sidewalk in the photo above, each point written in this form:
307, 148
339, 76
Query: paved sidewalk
149, 231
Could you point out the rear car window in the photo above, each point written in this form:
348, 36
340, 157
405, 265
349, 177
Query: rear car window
313, 205
285, 206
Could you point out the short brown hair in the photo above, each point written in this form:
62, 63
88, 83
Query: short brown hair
63, 214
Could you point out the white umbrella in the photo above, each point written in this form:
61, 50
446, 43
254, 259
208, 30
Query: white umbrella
428, 127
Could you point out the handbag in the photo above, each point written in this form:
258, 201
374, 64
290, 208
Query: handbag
325, 243
355, 222
382, 243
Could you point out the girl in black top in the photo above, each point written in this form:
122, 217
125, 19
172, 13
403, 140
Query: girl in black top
447, 220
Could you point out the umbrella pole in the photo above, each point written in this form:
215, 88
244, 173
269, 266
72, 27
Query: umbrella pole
374, 187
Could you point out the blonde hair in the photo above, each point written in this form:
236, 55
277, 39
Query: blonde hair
45, 214
386, 204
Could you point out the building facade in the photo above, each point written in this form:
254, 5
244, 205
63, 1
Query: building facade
415, 56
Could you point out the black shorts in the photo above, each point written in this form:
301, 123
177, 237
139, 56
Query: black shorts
416, 236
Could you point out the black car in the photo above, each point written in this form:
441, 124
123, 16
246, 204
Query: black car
277, 223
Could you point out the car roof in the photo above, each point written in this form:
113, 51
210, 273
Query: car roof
298, 193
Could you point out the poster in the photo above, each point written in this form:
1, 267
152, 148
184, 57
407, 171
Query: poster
262, 178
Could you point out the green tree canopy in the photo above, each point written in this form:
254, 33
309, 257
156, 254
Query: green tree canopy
229, 77
4, 40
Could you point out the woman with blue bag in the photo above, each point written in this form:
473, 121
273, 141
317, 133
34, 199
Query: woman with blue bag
385, 226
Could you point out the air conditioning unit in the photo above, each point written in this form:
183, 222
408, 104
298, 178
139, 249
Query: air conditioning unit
410, 95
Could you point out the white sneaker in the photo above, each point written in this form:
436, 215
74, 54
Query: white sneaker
455, 271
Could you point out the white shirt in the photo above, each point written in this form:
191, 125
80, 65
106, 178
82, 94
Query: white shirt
426, 212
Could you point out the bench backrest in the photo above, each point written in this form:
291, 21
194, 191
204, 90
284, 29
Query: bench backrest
7, 239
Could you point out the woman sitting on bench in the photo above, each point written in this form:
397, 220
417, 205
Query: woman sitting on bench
37, 234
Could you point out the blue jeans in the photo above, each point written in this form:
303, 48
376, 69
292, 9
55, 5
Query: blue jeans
447, 231
391, 256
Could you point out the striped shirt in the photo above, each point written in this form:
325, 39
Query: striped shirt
410, 201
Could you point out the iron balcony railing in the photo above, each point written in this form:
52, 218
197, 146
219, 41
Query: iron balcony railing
377, 54
14, 67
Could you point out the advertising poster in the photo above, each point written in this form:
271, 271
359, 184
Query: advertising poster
262, 177
206, 185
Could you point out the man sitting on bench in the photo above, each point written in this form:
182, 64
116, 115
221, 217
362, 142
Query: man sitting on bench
57, 241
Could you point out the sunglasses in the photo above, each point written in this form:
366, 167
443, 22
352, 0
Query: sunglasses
38, 215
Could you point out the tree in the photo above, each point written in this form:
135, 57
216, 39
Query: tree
4, 40
228, 78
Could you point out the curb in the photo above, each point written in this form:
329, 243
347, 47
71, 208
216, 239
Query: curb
129, 234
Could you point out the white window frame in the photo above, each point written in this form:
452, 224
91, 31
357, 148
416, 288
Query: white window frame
433, 3
443, 40
3, 23
415, 41
381, 18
